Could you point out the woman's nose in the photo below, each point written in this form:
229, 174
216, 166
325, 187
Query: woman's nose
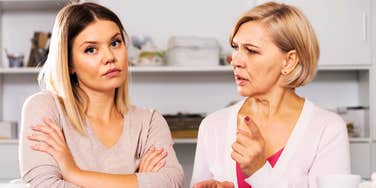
109, 56
237, 60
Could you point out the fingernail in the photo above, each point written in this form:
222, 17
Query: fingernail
246, 119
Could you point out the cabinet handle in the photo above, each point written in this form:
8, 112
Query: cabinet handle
364, 23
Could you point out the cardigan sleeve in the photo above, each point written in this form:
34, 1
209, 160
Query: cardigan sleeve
201, 164
333, 146
37, 168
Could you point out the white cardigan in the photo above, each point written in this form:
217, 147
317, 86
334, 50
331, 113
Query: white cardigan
318, 145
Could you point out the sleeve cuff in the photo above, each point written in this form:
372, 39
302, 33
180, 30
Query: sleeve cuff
260, 177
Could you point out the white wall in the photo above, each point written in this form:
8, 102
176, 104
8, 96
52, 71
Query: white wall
164, 18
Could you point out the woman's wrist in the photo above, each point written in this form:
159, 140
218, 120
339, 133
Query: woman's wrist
73, 175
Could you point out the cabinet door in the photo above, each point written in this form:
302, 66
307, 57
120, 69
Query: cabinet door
342, 27
9, 161
361, 159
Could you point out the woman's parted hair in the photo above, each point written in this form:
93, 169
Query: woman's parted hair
289, 30
55, 74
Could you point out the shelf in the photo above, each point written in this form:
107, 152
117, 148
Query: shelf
343, 67
181, 69
156, 69
185, 140
360, 140
24, 70
9, 141
32, 4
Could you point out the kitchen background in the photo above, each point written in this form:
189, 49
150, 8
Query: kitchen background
345, 83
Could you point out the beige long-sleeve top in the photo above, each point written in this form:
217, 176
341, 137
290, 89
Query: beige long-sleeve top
142, 129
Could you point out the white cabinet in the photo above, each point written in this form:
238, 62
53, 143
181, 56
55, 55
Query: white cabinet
343, 28
346, 76
361, 158
9, 161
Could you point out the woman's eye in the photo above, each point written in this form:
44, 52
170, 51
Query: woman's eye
234, 46
116, 43
251, 51
90, 50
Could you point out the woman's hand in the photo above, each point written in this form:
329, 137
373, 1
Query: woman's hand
213, 184
52, 141
249, 148
153, 160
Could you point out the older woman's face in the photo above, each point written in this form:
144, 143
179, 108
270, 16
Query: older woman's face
256, 61
99, 57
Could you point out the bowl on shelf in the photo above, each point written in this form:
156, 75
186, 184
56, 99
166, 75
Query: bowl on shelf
15, 59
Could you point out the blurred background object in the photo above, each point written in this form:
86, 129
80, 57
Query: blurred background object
357, 120
39, 49
193, 51
184, 125
8, 130
14, 59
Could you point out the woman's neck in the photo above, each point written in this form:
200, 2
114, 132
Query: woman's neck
101, 106
280, 101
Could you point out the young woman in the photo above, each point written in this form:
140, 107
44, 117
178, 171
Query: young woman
81, 130
273, 138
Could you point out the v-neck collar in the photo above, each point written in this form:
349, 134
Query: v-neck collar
289, 148
93, 137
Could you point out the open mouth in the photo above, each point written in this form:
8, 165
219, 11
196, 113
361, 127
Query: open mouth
240, 78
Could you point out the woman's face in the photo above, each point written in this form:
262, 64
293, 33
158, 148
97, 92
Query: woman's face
99, 57
256, 61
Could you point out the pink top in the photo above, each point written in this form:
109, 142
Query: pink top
241, 177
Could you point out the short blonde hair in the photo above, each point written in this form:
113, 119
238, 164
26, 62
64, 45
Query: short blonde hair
55, 74
289, 30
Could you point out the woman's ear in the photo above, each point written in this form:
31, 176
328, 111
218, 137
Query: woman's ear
71, 69
290, 62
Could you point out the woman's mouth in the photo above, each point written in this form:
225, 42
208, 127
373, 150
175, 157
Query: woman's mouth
112, 72
241, 81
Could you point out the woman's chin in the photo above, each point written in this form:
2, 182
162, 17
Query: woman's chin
244, 93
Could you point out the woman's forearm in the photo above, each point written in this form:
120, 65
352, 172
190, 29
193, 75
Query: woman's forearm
99, 180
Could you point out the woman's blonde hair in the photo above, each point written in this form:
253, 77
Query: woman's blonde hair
289, 30
55, 74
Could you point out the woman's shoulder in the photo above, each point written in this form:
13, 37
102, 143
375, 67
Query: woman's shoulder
42, 98
329, 119
220, 118
142, 112
145, 116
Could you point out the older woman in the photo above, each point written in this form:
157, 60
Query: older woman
272, 138
81, 130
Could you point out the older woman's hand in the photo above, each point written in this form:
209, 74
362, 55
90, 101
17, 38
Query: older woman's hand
249, 148
153, 160
213, 184
50, 139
